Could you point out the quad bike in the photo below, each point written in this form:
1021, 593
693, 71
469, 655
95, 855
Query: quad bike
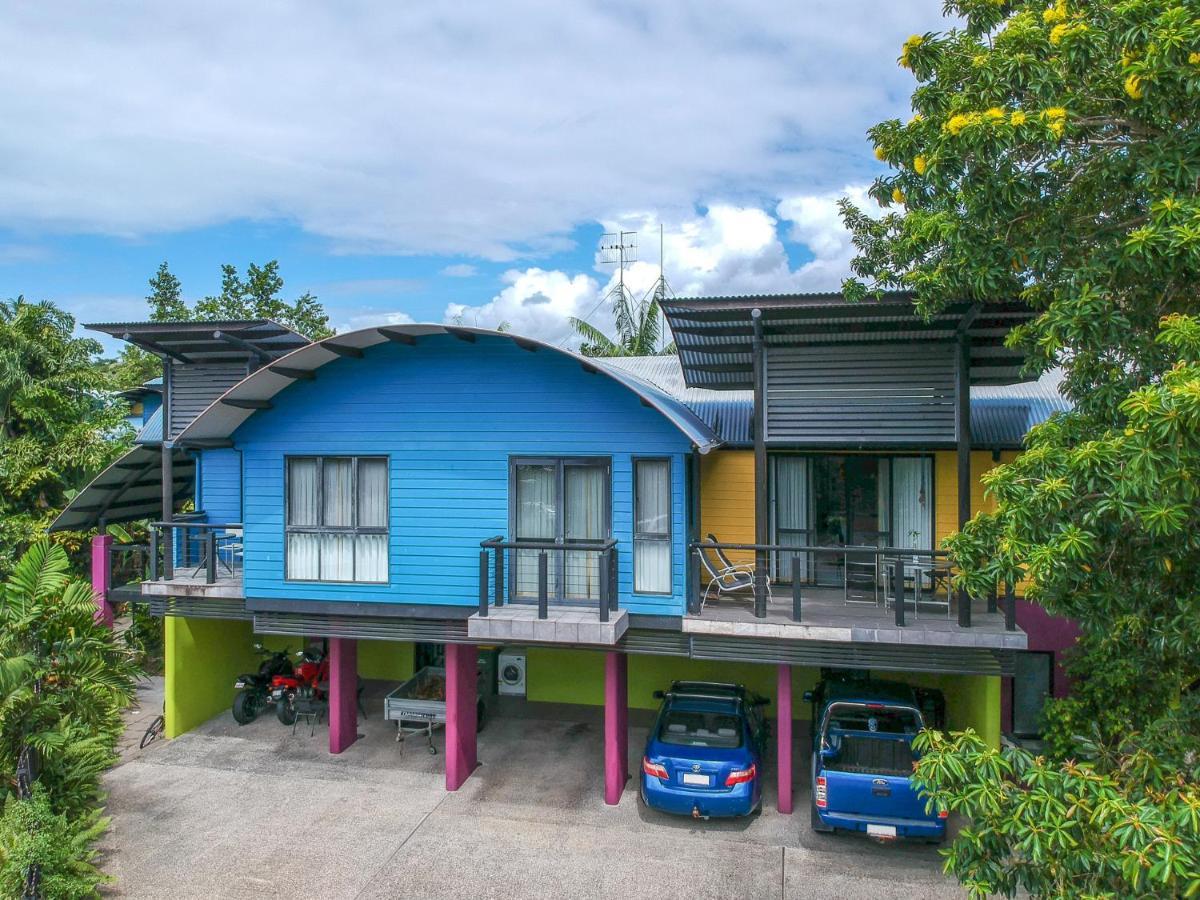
304, 689
254, 688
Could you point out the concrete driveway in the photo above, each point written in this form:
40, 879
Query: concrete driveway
259, 812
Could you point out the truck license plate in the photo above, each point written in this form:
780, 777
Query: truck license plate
698, 780
883, 831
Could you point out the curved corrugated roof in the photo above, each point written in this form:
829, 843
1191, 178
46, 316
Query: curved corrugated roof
128, 490
1000, 416
235, 406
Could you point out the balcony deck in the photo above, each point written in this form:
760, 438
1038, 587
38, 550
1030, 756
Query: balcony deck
189, 583
825, 616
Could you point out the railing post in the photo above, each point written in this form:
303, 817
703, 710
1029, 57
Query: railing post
500, 575
613, 584
153, 553
697, 583
760, 584
168, 553
210, 556
991, 600
796, 588
483, 584
964, 609
543, 584
898, 590
1010, 606
605, 584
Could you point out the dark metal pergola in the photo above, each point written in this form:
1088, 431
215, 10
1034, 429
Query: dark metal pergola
208, 342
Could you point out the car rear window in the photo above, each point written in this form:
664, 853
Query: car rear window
877, 720
698, 728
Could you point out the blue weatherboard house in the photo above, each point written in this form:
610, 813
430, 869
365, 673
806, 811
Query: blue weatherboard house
407, 493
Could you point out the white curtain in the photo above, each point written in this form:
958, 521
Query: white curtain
536, 519
584, 522
302, 557
912, 490
790, 523
652, 526
302, 492
338, 485
370, 557
372, 493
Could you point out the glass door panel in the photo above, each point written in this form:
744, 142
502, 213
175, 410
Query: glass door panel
789, 523
584, 486
536, 518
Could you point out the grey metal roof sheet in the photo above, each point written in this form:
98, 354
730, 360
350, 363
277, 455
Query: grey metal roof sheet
208, 341
223, 417
1001, 416
151, 432
128, 490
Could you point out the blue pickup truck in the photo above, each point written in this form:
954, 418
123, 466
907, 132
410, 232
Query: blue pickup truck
862, 757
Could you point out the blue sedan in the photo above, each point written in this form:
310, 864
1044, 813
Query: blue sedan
704, 754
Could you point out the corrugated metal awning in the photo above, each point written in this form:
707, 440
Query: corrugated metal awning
128, 490
207, 342
714, 334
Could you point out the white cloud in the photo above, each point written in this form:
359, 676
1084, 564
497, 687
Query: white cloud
474, 128
459, 270
724, 250
374, 318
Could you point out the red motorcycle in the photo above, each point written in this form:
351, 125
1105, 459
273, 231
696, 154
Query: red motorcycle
305, 690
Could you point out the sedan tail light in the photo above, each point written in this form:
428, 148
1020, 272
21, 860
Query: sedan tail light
656, 769
741, 776
822, 794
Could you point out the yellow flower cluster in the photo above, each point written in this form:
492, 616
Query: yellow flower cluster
1017, 117
1127, 57
910, 45
1056, 13
920, 165
958, 122
1134, 87
995, 114
880, 154
1194, 58
897, 195
1056, 118
1063, 30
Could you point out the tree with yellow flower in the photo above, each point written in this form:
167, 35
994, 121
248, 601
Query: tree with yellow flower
1067, 144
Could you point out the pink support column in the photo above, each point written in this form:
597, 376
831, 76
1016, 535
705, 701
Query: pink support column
783, 731
343, 693
102, 577
462, 675
616, 726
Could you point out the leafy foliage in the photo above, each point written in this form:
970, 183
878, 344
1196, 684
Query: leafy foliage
1055, 156
64, 680
58, 419
639, 330
33, 834
254, 297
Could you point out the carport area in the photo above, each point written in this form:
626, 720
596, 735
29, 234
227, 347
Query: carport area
260, 811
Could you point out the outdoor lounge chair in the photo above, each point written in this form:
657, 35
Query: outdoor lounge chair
724, 577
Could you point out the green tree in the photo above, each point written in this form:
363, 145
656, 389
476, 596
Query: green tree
166, 297
257, 296
639, 330
1054, 155
58, 420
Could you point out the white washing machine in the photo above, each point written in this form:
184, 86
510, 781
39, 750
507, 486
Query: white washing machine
510, 674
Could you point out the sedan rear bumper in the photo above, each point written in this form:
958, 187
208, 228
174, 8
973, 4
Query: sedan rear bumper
739, 800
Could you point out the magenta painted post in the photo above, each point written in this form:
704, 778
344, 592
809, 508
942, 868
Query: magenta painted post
102, 578
616, 726
462, 661
783, 730
343, 693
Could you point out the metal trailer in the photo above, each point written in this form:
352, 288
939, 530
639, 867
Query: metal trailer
418, 706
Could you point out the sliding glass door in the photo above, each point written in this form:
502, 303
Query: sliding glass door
563, 501
855, 500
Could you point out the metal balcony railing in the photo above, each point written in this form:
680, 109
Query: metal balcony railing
902, 578
189, 545
572, 573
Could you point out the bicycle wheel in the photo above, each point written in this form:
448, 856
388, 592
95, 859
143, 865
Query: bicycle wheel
155, 729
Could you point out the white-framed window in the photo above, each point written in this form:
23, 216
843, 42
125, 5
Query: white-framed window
336, 519
652, 526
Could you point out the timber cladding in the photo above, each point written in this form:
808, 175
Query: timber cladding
868, 394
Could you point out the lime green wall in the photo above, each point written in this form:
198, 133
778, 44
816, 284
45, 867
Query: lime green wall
577, 676
386, 660
202, 659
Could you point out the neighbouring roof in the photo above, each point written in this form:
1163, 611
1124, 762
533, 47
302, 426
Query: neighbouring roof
153, 386
128, 490
222, 418
151, 432
714, 334
1001, 416
208, 342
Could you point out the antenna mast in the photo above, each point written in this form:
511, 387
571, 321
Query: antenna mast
618, 248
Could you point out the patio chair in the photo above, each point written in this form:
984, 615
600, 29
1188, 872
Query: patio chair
861, 577
725, 579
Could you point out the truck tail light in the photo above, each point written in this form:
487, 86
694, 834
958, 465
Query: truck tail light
822, 794
741, 776
943, 813
656, 769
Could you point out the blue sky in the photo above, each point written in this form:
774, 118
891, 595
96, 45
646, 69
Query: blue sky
418, 163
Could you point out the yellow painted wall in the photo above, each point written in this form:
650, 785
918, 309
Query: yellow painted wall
386, 660
945, 479
727, 495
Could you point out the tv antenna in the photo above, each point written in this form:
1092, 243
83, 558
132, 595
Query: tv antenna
616, 249
661, 290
